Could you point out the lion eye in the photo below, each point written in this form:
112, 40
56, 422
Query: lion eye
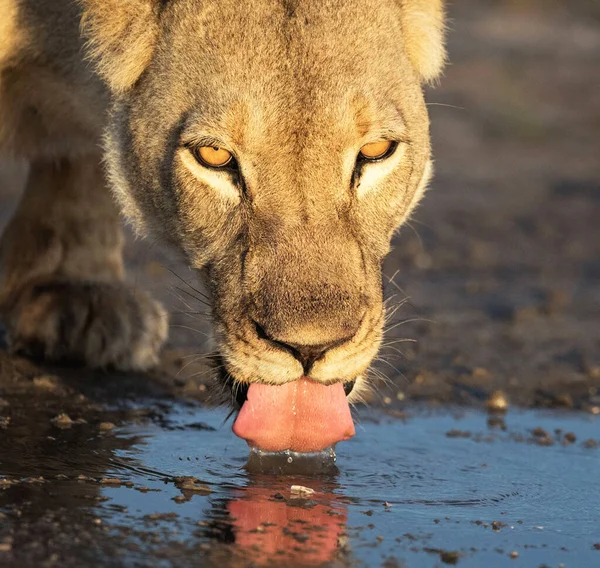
213, 157
377, 150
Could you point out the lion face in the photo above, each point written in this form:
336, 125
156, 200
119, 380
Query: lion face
250, 141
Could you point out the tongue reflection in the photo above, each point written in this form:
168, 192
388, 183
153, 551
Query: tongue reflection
302, 416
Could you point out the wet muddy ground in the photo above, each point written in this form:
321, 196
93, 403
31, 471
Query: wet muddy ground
499, 272
161, 482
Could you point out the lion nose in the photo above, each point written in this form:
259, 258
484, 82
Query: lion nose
306, 354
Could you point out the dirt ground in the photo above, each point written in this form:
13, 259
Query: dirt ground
501, 263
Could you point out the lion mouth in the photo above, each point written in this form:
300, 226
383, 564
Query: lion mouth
301, 416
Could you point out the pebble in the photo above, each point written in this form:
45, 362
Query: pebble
105, 426
110, 481
514, 554
497, 402
449, 557
189, 483
62, 421
301, 490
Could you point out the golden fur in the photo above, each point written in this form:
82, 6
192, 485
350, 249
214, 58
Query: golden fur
290, 247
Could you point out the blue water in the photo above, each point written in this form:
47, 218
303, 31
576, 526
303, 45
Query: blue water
404, 492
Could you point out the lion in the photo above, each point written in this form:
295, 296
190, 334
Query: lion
278, 144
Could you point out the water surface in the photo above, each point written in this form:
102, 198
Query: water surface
420, 489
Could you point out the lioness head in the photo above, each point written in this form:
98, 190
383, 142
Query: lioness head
278, 144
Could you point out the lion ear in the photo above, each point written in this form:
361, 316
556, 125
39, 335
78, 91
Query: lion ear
423, 29
121, 36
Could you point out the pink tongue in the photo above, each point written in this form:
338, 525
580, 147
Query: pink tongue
302, 416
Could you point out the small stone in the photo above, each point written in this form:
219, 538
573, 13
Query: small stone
105, 426
300, 490
497, 402
34, 480
514, 554
597, 546
46, 382
189, 483
458, 434
564, 399
481, 374
449, 557
570, 438
62, 421
590, 444
161, 516
110, 481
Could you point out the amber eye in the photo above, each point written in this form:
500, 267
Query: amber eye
377, 150
213, 157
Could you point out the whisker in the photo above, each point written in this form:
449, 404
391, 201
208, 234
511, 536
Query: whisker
192, 296
188, 284
190, 329
202, 355
205, 372
393, 367
394, 349
187, 365
171, 291
411, 320
409, 225
390, 281
446, 105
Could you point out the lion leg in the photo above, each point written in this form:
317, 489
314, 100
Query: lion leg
62, 290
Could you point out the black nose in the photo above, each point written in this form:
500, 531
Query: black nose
306, 354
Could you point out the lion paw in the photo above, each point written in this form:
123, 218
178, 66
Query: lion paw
97, 324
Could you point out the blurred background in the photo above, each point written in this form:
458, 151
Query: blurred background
500, 265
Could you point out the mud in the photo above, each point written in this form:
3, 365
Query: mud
482, 440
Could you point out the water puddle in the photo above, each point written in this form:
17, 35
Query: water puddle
173, 488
